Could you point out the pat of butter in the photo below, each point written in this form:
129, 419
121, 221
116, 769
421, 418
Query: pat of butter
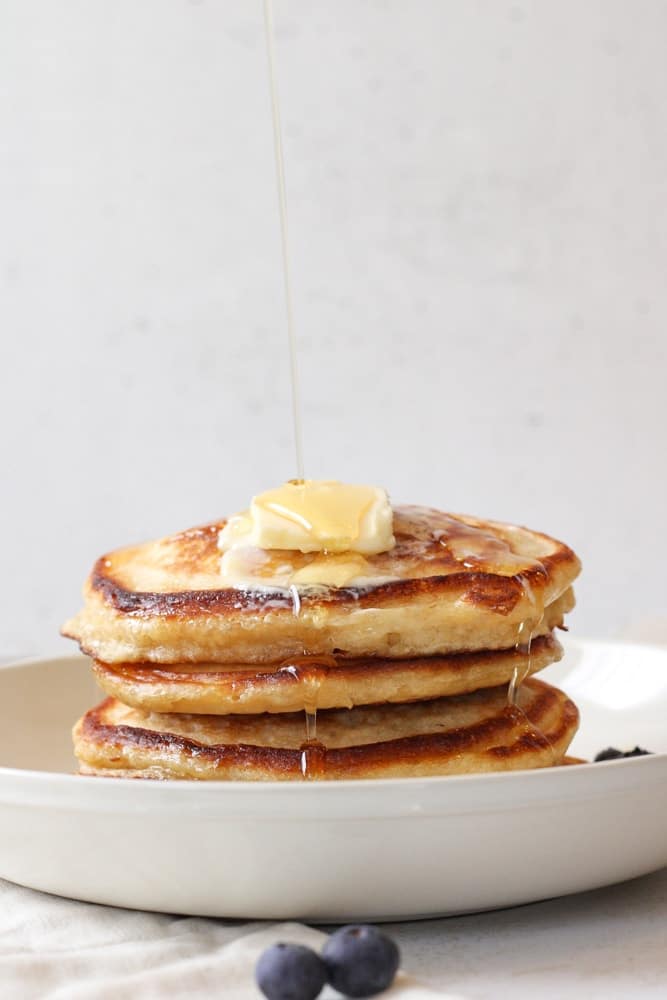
314, 516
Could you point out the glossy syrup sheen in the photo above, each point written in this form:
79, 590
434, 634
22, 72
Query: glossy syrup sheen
524, 643
309, 672
428, 543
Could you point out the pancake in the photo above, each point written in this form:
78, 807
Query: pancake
477, 732
317, 682
452, 584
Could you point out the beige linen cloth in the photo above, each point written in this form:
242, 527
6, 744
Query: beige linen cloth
59, 949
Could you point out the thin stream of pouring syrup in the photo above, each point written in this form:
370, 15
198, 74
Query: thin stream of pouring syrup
282, 204
310, 746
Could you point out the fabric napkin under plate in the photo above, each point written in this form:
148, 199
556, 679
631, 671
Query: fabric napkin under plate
59, 949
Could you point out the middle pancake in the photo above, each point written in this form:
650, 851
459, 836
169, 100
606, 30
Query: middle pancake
317, 682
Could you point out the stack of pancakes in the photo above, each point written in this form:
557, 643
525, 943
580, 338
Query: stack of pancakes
424, 670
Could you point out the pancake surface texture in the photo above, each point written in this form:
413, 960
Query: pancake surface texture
472, 733
452, 584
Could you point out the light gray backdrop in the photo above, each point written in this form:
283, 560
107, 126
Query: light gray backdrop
478, 193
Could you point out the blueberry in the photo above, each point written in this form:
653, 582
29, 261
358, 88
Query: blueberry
611, 753
361, 961
290, 972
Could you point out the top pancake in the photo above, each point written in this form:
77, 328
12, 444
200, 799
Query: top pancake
451, 584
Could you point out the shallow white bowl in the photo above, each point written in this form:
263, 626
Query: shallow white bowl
377, 850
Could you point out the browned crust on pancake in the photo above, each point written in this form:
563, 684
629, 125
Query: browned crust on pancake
511, 738
94, 729
487, 590
461, 585
336, 682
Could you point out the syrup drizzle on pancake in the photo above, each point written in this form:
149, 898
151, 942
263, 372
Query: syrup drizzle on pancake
519, 675
474, 548
313, 759
485, 547
522, 645
310, 672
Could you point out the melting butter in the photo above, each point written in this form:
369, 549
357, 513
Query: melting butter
314, 516
336, 522
335, 571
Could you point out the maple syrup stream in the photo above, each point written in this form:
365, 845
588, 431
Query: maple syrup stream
302, 669
282, 205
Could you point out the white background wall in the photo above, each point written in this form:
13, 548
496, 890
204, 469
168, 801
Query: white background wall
478, 193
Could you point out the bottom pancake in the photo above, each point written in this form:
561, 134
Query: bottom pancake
322, 682
470, 733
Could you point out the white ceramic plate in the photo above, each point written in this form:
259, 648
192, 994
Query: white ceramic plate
390, 849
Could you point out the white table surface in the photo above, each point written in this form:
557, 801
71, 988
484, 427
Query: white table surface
609, 943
